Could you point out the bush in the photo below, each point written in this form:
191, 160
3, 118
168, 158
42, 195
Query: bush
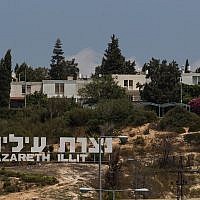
195, 105
177, 118
29, 177
141, 116
114, 111
39, 179
192, 138
78, 116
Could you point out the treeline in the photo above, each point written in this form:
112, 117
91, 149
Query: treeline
64, 117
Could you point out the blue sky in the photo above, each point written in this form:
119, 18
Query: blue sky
164, 29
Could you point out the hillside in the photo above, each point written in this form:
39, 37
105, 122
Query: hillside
154, 153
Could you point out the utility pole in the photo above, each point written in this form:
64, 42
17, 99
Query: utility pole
25, 88
180, 181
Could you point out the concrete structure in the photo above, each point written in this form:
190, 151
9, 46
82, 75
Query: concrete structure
129, 82
20, 89
191, 78
52, 88
63, 88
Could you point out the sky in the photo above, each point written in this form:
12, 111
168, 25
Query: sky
164, 29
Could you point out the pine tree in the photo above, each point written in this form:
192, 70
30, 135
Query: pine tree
61, 68
114, 62
57, 61
5, 79
187, 67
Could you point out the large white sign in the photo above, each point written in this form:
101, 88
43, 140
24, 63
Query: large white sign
67, 151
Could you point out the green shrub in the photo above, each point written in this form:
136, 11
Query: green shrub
114, 111
29, 177
177, 118
141, 116
78, 116
39, 179
192, 138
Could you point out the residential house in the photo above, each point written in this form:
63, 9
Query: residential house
191, 78
20, 89
129, 82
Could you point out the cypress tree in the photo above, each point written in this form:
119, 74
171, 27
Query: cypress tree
187, 70
5, 79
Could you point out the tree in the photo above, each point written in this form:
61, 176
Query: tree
39, 74
164, 86
61, 69
197, 70
57, 61
23, 72
70, 69
5, 79
101, 89
38, 98
113, 62
32, 74
187, 67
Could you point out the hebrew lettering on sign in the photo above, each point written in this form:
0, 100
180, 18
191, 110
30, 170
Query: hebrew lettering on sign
70, 149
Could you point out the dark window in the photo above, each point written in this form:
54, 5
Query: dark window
23, 89
131, 83
125, 83
57, 88
61, 88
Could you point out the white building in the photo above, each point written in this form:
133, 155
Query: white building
20, 89
191, 78
129, 82
63, 88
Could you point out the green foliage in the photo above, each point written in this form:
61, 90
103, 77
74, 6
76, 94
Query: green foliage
113, 62
30, 74
38, 179
58, 106
141, 116
187, 70
197, 70
114, 111
78, 116
103, 88
193, 138
5, 79
61, 69
164, 86
38, 98
177, 118
190, 92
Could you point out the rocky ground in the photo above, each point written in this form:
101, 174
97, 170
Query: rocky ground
73, 176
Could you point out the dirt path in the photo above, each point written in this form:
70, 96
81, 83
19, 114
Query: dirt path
70, 180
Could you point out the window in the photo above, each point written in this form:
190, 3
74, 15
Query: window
23, 89
131, 84
59, 88
125, 83
28, 89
